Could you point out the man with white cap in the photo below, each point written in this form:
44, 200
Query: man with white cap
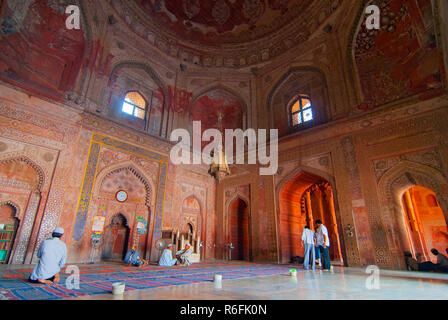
52, 254
184, 256
166, 260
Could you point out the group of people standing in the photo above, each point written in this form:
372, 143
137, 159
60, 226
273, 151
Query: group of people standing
316, 246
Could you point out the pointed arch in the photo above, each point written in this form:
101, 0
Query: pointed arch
291, 176
291, 84
145, 67
217, 86
244, 233
391, 187
12, 204
136, 170
22, 158
406, 174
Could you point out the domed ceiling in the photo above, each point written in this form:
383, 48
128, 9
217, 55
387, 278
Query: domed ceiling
229, 33
215, 22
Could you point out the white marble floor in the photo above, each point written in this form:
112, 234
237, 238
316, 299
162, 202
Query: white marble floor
342, 284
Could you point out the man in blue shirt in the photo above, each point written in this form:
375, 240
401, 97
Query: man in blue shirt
133, 258
52, 254
308, 244
323, 241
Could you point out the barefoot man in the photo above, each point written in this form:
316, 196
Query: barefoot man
52, 254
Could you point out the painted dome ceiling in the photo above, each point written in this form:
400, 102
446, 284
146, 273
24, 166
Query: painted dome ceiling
214, 22
239, 32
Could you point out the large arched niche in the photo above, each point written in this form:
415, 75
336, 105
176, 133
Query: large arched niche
376, 57
391, 187
39, 33
207, 106
238, 224
297, 181
192, 213
28, 180
129, 76
130, 177
309, 81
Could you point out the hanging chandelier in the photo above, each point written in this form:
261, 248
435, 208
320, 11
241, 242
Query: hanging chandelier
219, 167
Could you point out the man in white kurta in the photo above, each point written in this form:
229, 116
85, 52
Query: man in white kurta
166, 260
52, 254
308, 243
184, 256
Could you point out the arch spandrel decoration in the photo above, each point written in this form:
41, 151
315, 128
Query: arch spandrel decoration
134, 169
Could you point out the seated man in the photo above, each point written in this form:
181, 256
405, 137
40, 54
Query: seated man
416, 265
442, 261
184, 256
52, 254
133, 257
166, 260
411, 263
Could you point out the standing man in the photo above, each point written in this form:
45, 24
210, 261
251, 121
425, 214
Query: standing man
308, 243
323, 241
316, 247
52, 254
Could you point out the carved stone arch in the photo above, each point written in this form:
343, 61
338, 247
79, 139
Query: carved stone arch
145, 67
236, 197
12, 204
391, 188
227, 231
201, 205
137, 171
323, 115
123, 214
229, 203
22, 158
217, 86
331, 180
283, 78
407, 174
297, 170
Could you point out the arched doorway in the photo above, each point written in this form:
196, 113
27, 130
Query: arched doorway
425, 222
23, 182
8, 229
116, 238
239, 230
304, 198
392, 187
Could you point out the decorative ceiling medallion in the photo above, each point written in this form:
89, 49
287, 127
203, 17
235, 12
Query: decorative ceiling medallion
191, 8
253, 9
278, 4
221, 11
225, 33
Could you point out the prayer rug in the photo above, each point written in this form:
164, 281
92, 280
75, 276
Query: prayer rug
98, 279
